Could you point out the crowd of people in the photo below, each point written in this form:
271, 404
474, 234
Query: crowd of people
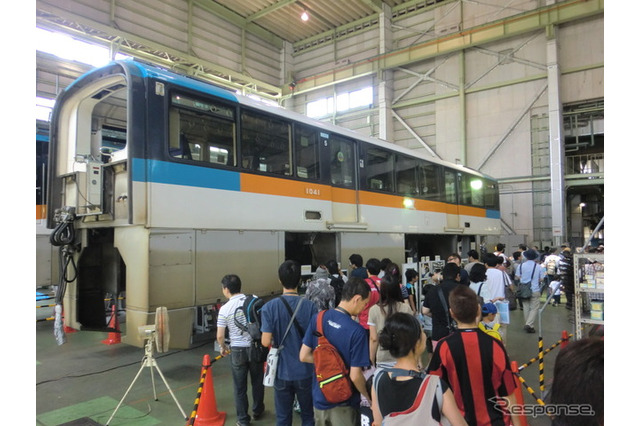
370, 316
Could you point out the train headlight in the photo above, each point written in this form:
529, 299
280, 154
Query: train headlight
408, 203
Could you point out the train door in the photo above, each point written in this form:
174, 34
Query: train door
311, 248
451, 191
340, 154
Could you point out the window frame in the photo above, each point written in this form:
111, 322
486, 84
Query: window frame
214, 121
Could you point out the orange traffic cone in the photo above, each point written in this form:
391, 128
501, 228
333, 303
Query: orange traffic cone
208, 414
114, 336
66, 328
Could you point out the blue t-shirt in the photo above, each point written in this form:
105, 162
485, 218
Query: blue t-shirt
527, 274
351, 341
275, 319
360, 272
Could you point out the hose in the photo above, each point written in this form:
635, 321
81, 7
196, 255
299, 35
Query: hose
63, 236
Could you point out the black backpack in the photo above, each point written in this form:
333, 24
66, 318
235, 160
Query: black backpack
251, 309
337, 283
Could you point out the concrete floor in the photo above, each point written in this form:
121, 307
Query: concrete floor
82, 381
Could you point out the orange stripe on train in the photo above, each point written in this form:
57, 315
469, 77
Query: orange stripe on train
284, 187
299, 189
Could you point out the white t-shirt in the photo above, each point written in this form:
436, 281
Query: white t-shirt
237, 337
496, 281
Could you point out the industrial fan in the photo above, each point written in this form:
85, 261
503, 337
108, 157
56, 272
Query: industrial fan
156, 336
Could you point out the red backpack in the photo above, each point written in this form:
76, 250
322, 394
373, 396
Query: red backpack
331, 373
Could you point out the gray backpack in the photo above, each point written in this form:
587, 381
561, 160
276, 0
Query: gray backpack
420, 411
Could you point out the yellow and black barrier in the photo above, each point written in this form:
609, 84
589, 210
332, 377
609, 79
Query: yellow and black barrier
562, 342
530, 390
541, 363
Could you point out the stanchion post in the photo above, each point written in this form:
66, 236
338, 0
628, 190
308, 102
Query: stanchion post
541, 363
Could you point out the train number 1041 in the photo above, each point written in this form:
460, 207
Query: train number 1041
312, 191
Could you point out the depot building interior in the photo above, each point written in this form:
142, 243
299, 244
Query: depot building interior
504, 89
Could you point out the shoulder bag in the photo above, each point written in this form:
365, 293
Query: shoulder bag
451, 323
274, 353
523, 291
509, 295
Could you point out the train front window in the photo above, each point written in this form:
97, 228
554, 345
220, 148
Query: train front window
201, 131
491, 195
266, 144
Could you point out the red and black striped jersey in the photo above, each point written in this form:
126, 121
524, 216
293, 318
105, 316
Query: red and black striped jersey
477, 368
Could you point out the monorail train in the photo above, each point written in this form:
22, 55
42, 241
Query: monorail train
166, 183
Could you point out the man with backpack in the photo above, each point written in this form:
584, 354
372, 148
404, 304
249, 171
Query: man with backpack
240, 343
436, 303
350, 342
337, 279
531, 274
550, 265
293, 377
373, 269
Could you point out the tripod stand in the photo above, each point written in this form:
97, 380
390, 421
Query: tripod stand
150, 362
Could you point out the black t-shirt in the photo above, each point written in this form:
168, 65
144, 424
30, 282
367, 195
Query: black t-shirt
398, 395
438, 312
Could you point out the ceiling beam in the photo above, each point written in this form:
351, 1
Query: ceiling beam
245, 23
374, 4
53, 18
269, 9
536, 20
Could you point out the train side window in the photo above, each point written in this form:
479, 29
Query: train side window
266, 144
450, 184
342, 164
473, 190
201, 131
307, 153
429, 182
406, 181
379, 169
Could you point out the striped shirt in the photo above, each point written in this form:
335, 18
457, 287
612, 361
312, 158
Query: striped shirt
476, 366
237, 337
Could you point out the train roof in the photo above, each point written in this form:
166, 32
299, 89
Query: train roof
146, 70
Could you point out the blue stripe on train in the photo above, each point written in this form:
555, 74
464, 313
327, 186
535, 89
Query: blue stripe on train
493, 214
203, 177
183, 174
